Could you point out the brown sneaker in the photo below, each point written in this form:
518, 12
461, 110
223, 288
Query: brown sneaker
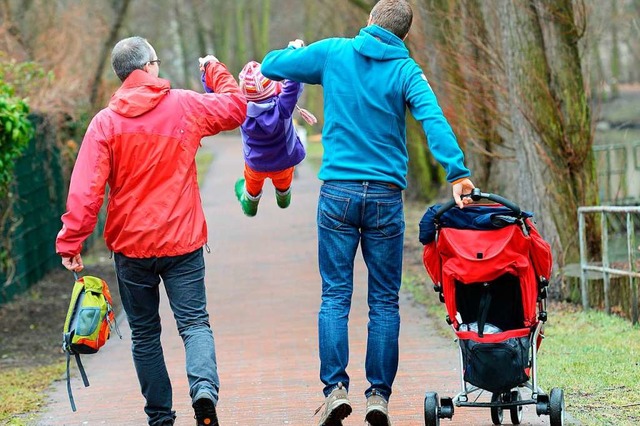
377, 413
336, 407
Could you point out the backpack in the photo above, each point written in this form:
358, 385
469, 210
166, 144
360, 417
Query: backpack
88, 323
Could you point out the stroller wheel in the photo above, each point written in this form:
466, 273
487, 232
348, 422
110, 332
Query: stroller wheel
496, 412
516, 411
556, 407
446, 408
542, 404
431, 417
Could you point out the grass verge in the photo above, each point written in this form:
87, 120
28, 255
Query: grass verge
203, 161
21, 391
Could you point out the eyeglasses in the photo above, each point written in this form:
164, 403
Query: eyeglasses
157, 61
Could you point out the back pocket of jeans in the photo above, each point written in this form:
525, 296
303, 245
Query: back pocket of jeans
332, 211
390, 220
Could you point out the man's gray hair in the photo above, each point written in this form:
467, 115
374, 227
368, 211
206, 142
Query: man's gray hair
130, 54
393, 15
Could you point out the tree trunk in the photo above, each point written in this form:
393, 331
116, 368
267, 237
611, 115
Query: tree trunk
120, 8
615, 50
12, 23
550, 118
196, 7
179, 17
422, 176
363, 5
240, 35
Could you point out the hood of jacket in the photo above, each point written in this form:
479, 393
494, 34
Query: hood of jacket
377, 43
139, 93
255, 109
262, 118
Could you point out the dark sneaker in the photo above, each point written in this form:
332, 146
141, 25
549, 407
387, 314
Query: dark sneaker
205, 412
283, 198
377, 413
336, 407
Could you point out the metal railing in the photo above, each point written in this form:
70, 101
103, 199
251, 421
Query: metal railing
606, 268
618, 167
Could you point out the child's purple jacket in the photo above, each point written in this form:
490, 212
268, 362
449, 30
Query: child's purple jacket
269, 139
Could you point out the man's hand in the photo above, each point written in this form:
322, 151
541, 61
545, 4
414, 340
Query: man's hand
296, 44
462, 187
73, 263
205, 60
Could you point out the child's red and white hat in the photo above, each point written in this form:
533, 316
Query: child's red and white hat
254, 85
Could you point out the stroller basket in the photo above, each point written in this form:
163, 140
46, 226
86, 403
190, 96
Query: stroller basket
495, 365
491, 268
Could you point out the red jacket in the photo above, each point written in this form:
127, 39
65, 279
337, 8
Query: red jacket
144, 146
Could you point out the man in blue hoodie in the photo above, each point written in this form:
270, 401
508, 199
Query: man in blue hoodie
368, 83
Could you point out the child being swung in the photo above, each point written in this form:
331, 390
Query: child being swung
271, 146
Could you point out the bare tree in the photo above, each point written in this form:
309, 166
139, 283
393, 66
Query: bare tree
550, 117
12, 22
120, 11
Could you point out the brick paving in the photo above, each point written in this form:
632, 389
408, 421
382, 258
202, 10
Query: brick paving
263, 296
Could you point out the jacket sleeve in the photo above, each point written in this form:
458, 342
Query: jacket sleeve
86, 192
305, 64
424, 107
288, 99
225, 108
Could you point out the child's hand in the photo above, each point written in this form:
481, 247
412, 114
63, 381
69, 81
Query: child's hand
204, 61
297, 43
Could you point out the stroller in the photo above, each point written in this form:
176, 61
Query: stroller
491, 269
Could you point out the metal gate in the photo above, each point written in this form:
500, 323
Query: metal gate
612, 262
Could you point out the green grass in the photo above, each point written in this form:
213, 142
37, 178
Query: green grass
203, 162
22, 391
595, 358
314, 153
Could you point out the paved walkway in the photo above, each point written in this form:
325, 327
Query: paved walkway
264, 294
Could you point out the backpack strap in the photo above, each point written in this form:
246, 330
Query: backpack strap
83, 373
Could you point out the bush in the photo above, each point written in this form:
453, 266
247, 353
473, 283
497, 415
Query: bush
15, 129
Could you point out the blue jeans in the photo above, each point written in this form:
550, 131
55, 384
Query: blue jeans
370, 214
183, 278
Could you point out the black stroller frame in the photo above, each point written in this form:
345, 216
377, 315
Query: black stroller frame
551, 404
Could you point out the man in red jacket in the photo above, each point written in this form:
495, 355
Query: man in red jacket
144, 146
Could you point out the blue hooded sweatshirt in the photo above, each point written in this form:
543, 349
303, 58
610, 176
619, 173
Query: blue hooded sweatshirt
368, 82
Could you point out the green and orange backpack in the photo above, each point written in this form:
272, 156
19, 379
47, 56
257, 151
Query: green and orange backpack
88, 324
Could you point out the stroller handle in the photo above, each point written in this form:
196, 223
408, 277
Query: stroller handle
477, 195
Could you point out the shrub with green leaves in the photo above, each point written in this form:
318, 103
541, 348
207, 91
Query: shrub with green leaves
15, 129
15, 133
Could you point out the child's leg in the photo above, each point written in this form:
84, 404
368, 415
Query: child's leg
282, 179
246, 187
254, 181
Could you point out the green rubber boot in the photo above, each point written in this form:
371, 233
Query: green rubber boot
283, 198
247, 201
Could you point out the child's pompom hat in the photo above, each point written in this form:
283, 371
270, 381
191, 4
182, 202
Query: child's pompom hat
254, 85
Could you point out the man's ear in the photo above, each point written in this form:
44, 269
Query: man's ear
369, 21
